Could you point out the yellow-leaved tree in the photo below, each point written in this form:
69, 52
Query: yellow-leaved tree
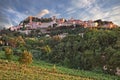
20, 41
8, 53
26, 57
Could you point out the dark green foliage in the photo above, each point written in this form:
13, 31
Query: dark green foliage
68, 29
37, 55
94, 50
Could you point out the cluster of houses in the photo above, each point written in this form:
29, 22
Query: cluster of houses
60, 22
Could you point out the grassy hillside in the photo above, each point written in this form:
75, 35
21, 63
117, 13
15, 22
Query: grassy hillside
40, 70
10, 70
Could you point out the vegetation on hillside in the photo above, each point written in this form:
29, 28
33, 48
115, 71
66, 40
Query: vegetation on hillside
80, 49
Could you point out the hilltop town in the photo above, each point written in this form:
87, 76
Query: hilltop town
32, 23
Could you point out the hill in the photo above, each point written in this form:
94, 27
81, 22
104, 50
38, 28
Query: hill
75, 48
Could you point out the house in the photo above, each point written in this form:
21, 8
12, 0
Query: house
90, 24
15, 28
25, 31
105, 24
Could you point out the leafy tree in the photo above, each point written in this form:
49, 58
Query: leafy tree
107, 38
112, 59
57, 55
26, 57
87, 60
91, 38
68, 51
20, 41
8, 53
12, 42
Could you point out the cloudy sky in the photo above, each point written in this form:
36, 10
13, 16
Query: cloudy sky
14, 11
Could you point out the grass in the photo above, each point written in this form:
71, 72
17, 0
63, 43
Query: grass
73, 72
46, 71
2, 56
11, 70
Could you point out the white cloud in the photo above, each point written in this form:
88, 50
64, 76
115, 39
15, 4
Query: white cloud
109, 15
73, 11
69, 9
43, 12
54, 13
82, 3
5, 25
95, 12
114, 16
116, 7
13, 17
17, 16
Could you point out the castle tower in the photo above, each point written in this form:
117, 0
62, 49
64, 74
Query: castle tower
30, 19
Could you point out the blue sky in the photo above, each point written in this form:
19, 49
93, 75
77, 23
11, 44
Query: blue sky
14, 11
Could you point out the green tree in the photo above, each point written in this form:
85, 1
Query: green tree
68, 51
91, 40
88, 60
112, 59
107, 38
